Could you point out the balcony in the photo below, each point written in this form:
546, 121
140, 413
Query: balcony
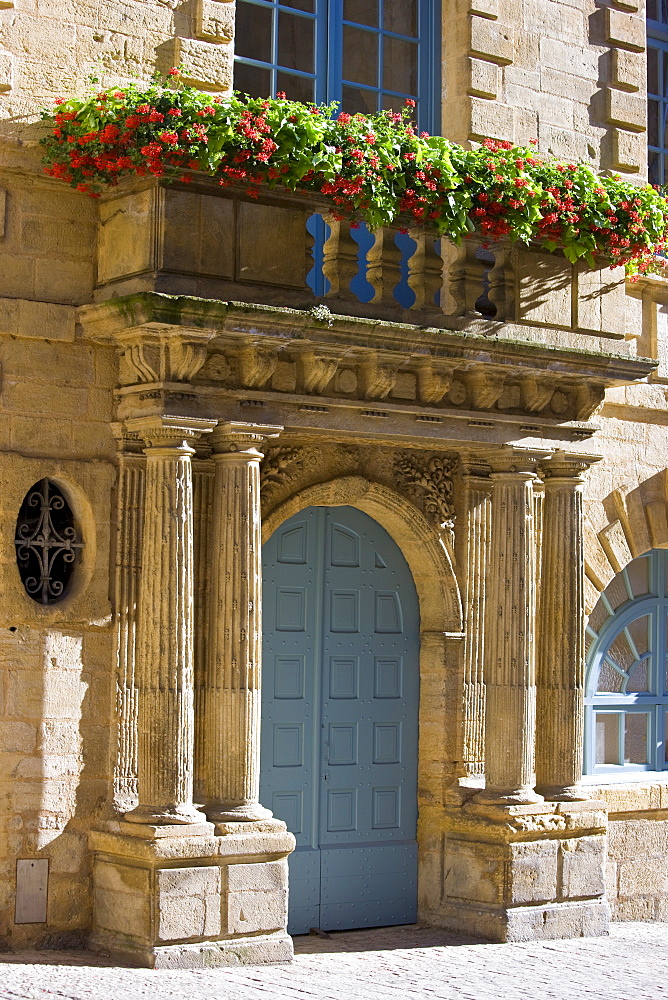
506, 340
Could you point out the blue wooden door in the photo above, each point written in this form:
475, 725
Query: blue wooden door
339, 717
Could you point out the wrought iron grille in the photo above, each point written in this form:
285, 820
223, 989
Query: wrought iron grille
47, 542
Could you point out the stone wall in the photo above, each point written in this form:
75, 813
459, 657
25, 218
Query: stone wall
569, 73
49, 49
637, 866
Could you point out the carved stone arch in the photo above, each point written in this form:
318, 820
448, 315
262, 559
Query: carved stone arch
628, 523
426, 554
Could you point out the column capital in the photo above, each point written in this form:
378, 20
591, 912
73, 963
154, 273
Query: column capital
172, 432
564, 467
234, 437
476, 467
516, 463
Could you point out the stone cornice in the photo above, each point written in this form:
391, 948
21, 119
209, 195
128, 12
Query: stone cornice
166, 339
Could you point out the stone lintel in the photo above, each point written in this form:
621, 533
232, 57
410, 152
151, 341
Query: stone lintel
510, 461
168, 428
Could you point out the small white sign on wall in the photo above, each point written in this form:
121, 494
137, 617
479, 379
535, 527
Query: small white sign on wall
32, 880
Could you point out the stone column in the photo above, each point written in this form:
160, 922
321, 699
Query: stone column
476, 500
560, 660
510, 671
231, 738
164, 656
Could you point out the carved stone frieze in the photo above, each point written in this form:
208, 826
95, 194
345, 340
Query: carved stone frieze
377, 379
429, 479
315, 370
149, 356
255, 366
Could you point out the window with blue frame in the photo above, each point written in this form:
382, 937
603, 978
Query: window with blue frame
626, 703
657, 90
368, 55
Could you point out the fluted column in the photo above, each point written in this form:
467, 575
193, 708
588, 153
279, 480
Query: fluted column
476, 499
510, 672
129, 515
164, 654
231, 738
560, 660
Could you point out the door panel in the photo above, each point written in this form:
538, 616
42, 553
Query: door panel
339, 724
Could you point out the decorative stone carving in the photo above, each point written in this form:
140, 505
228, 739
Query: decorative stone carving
280, 466
485, 387
589, 398
377, 379
165, 356
433, 382
255, 366
217, 368
535, 392
429, 480
315, 370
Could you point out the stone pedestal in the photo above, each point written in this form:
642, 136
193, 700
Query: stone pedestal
178, 897
525, 872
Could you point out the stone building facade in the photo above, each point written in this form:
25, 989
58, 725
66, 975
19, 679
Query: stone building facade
164, 373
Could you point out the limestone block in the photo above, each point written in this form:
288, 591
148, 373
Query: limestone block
631, 839
545, 289
267, 877
484, 78
6, 72
3, 211
189, 881
490, 119
126, 241
582, 867
492, 41
23, 318
629, 150
628, 69
473, 873
532, 872
257, 897
616, 546
643, 877
198, 233
206, 65
122, 912
484, 8
253, 911
610, 871
627, 110
258, 259
624, 30
17, 737
214, 20
180, 917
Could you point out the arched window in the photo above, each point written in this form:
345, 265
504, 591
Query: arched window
626, 705
369, 55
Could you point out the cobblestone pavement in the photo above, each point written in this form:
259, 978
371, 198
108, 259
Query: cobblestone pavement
388, 964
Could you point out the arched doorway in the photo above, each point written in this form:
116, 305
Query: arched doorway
340, 717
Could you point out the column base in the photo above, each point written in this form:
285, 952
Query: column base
521, 872
145, 815
252, 813
564, 793
170, 897
269, 949
518, 796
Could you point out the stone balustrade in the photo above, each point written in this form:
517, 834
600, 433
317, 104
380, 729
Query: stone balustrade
199, 239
